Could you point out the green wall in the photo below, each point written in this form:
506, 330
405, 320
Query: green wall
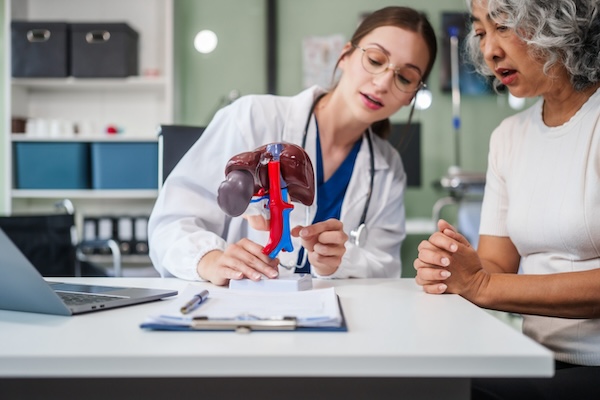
204, 80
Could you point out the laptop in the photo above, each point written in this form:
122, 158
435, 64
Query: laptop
22, 288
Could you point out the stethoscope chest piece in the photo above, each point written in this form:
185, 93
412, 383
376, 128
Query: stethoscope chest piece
359, 235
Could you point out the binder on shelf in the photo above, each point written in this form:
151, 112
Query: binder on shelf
140, 230
90, 234
125, 234
106, 231
317, 310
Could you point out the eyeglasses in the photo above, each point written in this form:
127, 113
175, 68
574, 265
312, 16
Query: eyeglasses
375, 61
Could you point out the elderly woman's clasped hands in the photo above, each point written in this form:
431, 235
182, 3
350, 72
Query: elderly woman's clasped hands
447, 263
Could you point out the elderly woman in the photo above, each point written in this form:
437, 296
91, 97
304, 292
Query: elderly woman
539, 246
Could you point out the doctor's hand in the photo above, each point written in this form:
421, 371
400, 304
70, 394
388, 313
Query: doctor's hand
447, 263
325, 244
243, 259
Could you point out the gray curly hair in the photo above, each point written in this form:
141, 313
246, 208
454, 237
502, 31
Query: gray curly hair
566, 32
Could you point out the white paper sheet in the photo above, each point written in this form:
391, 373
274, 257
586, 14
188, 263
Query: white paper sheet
318, 307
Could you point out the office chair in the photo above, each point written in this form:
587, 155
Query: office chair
50, 242
173, 142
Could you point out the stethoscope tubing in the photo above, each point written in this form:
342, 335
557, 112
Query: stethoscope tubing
361, 226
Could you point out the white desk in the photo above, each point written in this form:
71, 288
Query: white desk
401, 343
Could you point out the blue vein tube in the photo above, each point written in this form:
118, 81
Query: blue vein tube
285, 242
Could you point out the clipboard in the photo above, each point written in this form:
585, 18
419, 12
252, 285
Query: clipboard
245, 322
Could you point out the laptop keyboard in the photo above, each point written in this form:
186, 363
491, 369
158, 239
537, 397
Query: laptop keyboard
76, 299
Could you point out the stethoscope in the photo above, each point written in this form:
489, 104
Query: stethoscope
358, 235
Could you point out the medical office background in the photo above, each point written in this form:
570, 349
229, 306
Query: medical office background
238, 65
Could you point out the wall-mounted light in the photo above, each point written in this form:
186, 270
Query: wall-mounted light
423, 99
516, 103
205, 41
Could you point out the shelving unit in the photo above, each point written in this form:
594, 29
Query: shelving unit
75, 84
84, 194
136, 105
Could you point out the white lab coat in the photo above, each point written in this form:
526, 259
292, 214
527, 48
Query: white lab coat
186, 222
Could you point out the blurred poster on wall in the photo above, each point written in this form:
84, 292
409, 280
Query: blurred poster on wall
319, 56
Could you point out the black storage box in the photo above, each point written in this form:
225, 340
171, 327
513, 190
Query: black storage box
103, 50
40, 49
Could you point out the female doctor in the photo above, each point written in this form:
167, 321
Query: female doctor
359, 179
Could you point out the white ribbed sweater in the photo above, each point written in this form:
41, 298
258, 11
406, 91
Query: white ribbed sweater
543, 191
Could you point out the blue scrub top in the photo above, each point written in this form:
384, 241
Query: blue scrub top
330, 194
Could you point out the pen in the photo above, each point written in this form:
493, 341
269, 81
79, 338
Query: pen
194, 302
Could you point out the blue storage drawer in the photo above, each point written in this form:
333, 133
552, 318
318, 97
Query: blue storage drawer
132, 165
52, 165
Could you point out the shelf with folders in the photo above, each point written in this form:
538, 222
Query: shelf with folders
75, 84
86, 106
15, 138
65, 167
84, 194
129, 232
134, 259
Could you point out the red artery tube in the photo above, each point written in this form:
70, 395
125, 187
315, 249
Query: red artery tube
277, 207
